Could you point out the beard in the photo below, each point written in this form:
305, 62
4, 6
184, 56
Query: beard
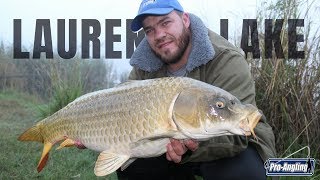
174, 57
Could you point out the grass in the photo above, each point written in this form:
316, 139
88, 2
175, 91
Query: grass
63, 94
18, 160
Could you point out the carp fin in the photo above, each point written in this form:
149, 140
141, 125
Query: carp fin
45, 155
127, 163
66, 143
149, 148
108, 162
31, 134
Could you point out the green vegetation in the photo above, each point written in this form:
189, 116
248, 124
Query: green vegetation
64, 92
19, 159
31, 90
288, 89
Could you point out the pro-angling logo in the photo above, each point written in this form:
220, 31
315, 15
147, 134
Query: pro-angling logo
290, 167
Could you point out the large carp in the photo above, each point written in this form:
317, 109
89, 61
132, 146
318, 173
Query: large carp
137, 118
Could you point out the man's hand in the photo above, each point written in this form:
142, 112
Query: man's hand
176, 148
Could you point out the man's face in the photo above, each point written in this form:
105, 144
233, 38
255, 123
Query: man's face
168, 35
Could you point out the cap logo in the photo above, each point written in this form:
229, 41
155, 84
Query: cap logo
148, 2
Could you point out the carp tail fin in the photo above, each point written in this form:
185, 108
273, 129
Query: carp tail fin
45, 156
31, 134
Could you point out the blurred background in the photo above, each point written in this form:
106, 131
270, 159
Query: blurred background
288, 90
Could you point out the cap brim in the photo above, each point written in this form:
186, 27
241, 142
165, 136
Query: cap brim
136, 24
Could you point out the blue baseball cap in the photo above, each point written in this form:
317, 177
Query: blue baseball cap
154, 7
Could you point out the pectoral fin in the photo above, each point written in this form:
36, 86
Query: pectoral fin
109, 162
127, 163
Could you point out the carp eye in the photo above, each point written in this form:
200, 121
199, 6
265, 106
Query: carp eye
220, 104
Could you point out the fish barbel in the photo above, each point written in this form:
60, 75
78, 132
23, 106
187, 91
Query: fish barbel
136, 119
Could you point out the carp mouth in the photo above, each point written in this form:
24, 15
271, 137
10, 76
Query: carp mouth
248, 124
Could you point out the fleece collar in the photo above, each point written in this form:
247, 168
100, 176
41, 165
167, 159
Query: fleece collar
201, 51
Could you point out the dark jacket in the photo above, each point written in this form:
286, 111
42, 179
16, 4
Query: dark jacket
215, 61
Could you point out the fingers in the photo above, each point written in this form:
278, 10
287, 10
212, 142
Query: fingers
191, 144
176, 148
171, 154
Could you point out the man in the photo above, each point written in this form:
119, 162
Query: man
178, 44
